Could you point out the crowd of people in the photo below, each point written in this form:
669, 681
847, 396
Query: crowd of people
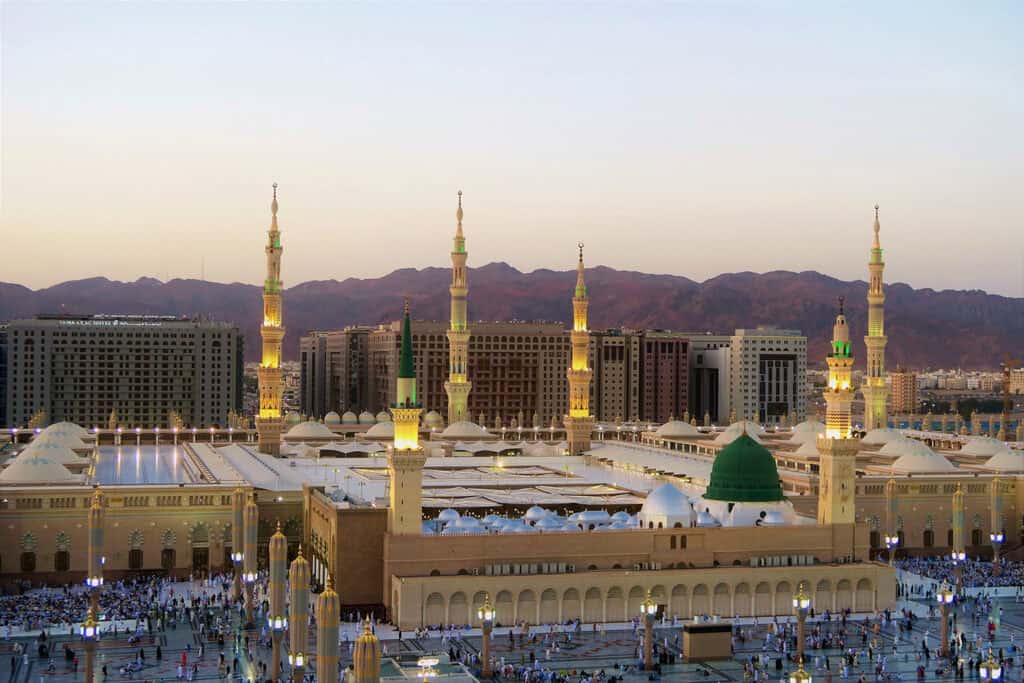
976, 573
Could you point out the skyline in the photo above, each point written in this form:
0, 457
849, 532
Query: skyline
128, 128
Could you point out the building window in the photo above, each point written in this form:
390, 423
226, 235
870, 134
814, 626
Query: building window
28, 562
61, 561
135, 558
929, 538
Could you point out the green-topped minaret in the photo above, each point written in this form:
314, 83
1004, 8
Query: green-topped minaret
405, 457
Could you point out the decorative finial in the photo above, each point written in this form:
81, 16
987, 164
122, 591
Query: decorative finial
842, 300
406, 307
580, 245
279, 526
460, 199
458, 214
273, 204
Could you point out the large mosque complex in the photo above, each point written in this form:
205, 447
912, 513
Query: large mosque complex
421, 516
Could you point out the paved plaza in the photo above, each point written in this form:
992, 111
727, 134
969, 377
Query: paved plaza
865, 649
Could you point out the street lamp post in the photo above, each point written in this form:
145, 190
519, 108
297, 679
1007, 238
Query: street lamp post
278, 550
801, 605
990, 669
891, 543
648, 610
997, 538
800, 676
945, 599
486, 616
251, 514
88, 632
958, 557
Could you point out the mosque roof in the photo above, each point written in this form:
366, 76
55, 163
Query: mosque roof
65, 439
309, 430
917, 458
666, 501
53, 451
982, 445
332, 418
896, 446
676, 429
808, 430
808, 448
1006, 460
36, 469
734, 430
463, 429
68, 427
744, 471
383, 416
381, 430
433, 419
877, 437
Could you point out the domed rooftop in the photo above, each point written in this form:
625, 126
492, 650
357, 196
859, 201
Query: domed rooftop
433, 419
665, 500
895, 447
367, 418
730, 434
309, 430
349, 418
36, 469
463, 429
982, 446
53, 451
447, 515
744, 471
676, 429
383, 416
917, 458
877, 437
534, 513
332, 418
292, 418
65, 439
1006, 460
550, 524
808, 430
381, 430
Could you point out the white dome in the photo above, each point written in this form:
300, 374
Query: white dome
349, 418
53, 451
676, 429
733, 431
534, 513
66, 439
68, 428
808, 430
292, 418
622, 516
877, 437
383, 416
492, 519
550, 524
809, 447
463, 429
36, 469
332, 418
309, 430
895, 447
447, 515
706, 519
433, 419
381, 430
665, 507
917, 458
517, 526
467, 523
366, 418
982, 445
1006, 460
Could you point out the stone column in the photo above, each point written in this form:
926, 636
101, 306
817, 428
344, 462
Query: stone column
328, 617
298, 616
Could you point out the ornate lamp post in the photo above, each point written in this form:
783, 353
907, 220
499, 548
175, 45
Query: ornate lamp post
945, 599
252, 520
891, 543
298, 614
997, 538
801, 605
88, 631
276, 618
328, 614
648, 610
94, 580
990, 669
800, 676
996, 508
237, 540
486, 616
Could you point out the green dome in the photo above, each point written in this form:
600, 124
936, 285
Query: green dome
744, 472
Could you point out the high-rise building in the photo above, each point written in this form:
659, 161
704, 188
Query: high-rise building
313, 377
1017, 381
665, 379
270, 420
615, 359
579, 423
903, 387
709, 357
458, 385
3, 376
768, 375
874, 389
82, 368
334, 372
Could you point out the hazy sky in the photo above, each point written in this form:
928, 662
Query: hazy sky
689, 138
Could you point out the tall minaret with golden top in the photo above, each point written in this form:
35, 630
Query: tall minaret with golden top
837, 448
579, 424
876, 393
458, 385
405, 457
269, 421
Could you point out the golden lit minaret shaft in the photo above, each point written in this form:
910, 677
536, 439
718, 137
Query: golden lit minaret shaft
458, 385
837, 448
839, 392
579, 424
875, 391
405, 457
269, 421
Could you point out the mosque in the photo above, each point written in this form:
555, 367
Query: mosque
419, 516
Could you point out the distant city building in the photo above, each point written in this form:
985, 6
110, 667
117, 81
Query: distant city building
903, 388
665, 377
82, 368
1016, 380
334, 372
709, 357
615, 358
3, 376
767, 375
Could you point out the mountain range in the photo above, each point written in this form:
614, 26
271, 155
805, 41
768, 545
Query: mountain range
926, 328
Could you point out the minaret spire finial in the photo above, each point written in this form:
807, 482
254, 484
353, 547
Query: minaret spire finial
878, 226
842, 300
580, 245
273, 204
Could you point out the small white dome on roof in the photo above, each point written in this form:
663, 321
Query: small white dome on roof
54, 452
492, 519
731, 433
309, 430
349, 418
877, 437
665, 507
433, 419
809, 426
917, 458
292, 418
463, 429
621, 516
467, 523
535, 513
447, 515
381, 430
594, 516
427, 529
982, 445
366, 418
1006, 460
549, 524
383, 416
676, 429
36, 469
332, 418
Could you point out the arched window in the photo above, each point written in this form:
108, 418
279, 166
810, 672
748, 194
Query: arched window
167, 559
929, 538
28, 561
61, 561
135, 558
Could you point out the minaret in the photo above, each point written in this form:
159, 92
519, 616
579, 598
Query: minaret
277, 616
875, 391
269, 421
458, 385
838, 450
405, 457
298, 615
328, 617
579, 424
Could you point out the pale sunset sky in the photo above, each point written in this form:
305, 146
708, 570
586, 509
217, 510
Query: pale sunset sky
692, 138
